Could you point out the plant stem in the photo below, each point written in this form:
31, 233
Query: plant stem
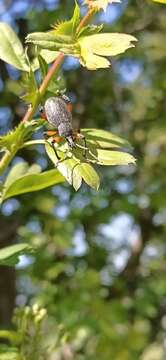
4, 162
85, 20
30, 112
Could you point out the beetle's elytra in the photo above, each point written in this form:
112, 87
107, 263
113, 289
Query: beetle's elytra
58, 115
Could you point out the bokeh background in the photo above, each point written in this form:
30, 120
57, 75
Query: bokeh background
100, 265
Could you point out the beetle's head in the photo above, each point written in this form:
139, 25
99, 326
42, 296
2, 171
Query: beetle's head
66, 99
42, 112
68, 103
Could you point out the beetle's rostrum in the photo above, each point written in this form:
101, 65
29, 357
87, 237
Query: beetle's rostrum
58, 115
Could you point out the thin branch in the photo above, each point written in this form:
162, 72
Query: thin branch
44, 85
7, 157
85, 20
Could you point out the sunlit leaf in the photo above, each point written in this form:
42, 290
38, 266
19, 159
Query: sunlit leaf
75, 164
104, 139
50, 40
76, 17
94, 47
73, 170
66, 166
33, 182
8, 353
89, 175
19, 170
50, 36
160, 1
69, 169
10, 254
108, 157
11, 49
68, 27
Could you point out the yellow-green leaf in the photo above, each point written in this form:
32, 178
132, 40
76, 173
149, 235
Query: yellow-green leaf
160, 1
68, 167
10, 254
76, 18
33, 182
93, 62
104, 139
89, 175
19, 170
94, 47
108, 157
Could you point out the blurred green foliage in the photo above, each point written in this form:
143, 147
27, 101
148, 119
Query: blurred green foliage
99, 268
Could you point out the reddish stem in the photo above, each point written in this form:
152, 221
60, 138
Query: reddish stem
51, 72
31, 110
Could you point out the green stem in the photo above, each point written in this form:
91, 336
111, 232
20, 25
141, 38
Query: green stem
6, 159
33, 142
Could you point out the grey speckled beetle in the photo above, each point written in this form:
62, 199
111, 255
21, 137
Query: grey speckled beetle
58, 114
57, 111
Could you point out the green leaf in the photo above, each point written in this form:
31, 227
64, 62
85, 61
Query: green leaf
160, 1
33, 182
43, 66
68, 28
19, 170
101, 145
72, 169
9, 354
103, 139
94, 47
10, 254
30, 86
68, 167
89, 175
64, 28
47, 55
51, 41
10, 335
51, 36
11, 49
76, 18
108, 157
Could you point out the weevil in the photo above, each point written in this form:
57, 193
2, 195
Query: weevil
57, 111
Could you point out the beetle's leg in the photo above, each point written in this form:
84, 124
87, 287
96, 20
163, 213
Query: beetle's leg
55, 139
77, 135
53, 147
